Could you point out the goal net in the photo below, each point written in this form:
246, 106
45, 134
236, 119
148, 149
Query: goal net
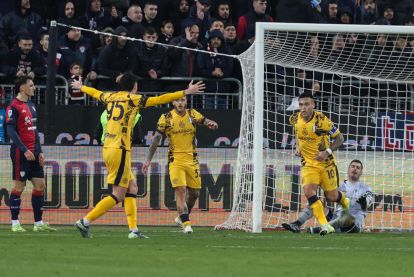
361, 77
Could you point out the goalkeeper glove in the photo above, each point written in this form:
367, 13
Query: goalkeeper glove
363, 202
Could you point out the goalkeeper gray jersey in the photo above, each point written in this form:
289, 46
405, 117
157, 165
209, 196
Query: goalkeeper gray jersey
354, 191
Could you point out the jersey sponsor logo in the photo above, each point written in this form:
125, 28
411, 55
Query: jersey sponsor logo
27, 120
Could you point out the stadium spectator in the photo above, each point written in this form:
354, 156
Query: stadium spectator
367, 13
150, 15
183, 62
180, 11
401, 8
346, 16
388, 16
179, 125
240, 8
230, 35
361, 198
332, 14
21, 19
96, 17
3, 130
24, 60
66, 14
258, 14
74, 47
134, 15
216, 24
26, 155
295, 11
104, 40
75, 96
200, 15
151, 62
117, 58
223, 12
216, 66
132, 21
44, 46
167, 32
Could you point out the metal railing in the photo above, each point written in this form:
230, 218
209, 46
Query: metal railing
206, 100
61, 89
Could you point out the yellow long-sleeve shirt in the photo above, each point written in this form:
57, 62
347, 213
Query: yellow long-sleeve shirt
121, 108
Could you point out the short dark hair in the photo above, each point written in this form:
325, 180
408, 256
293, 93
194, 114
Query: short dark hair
20, 81
357, 161
24, 36
151, 2
150, 31
75, 63
165, 22
333, 2
127, 82
307, 94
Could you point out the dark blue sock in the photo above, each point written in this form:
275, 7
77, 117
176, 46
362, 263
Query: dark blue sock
184, 218
14, 203
37, 204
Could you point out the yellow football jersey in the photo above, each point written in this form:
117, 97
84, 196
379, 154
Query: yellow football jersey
121, 108
313, 136
181, 131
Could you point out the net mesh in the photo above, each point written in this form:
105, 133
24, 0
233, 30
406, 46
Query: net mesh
362, 83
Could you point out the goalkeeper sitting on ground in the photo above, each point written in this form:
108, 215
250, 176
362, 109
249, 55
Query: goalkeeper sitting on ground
360, 196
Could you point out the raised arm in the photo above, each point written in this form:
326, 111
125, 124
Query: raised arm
151, 151
77, 84
168, 97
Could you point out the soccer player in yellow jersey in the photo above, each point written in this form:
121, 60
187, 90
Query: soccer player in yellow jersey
121, 107
179, 125
313, 131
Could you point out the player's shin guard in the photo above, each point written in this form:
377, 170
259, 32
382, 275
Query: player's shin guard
102, 207
343, 200
15, 202
37, 204
317, 209
130, 206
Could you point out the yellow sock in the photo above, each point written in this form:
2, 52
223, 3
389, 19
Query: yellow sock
318, 212
186, 223
344, 201
101, 208
130, 205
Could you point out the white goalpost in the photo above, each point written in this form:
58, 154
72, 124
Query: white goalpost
361, 77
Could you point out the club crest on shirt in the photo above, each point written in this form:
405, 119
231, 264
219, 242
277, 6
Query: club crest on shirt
82, 49
22, 173
181, 124
10, 112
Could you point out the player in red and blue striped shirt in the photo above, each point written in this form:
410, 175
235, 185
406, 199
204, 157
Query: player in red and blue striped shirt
26, 155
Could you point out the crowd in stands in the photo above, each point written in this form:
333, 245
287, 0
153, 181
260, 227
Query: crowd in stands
217, 26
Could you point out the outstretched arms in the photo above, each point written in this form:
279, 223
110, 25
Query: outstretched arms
168, 97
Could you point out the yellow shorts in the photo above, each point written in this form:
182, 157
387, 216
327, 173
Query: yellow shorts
327, 177
118, 163
185, 174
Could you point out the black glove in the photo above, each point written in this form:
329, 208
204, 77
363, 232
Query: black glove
363, 202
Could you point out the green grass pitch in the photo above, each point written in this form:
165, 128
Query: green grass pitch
169, 252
